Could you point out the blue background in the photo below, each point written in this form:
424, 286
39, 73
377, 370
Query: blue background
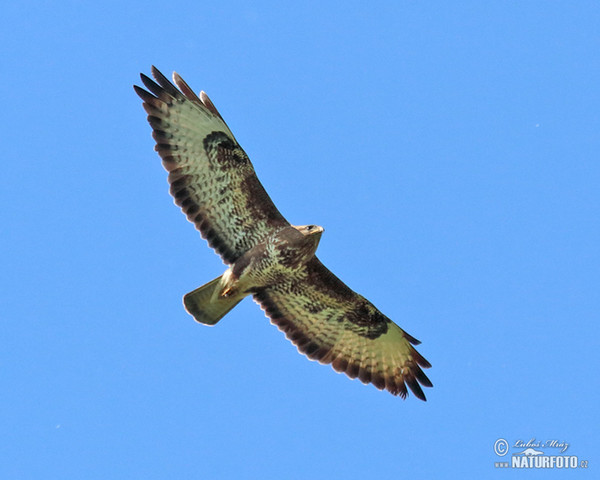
449, 149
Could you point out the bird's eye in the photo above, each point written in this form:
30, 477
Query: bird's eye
310, 227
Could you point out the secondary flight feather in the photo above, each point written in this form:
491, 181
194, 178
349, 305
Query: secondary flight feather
214, 183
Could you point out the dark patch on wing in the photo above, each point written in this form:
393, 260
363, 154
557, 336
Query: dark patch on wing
227, 154
367, 321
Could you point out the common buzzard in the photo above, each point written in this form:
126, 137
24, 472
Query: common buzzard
214, 183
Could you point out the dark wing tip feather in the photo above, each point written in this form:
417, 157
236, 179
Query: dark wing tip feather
411, 339
185, 88
422, 378
414, 386
414, 379
144, 94
399, 389
160, 87
209, 105
151, 85
165, 83
420, 360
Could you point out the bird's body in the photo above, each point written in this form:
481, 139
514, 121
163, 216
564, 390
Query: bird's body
281, 255
214, 183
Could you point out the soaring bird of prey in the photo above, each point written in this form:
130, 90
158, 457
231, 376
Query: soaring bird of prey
214, 183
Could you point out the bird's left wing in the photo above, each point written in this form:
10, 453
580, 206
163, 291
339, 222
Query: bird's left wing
211, 177
330, 323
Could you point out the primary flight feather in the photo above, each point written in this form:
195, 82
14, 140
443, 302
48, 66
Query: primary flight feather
214, 183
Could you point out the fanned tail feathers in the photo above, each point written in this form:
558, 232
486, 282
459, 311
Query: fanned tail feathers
205, 306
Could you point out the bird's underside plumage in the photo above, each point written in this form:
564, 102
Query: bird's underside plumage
214, 183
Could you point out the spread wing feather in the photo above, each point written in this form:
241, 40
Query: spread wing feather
211, 177
332, 324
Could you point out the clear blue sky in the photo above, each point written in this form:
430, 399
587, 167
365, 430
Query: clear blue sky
450, 151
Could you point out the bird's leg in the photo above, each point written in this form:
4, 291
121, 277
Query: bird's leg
227, 285
228, 292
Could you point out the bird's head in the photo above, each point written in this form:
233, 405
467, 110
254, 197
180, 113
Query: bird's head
307, 230
312, 234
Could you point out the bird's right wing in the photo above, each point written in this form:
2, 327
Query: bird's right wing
211, 177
